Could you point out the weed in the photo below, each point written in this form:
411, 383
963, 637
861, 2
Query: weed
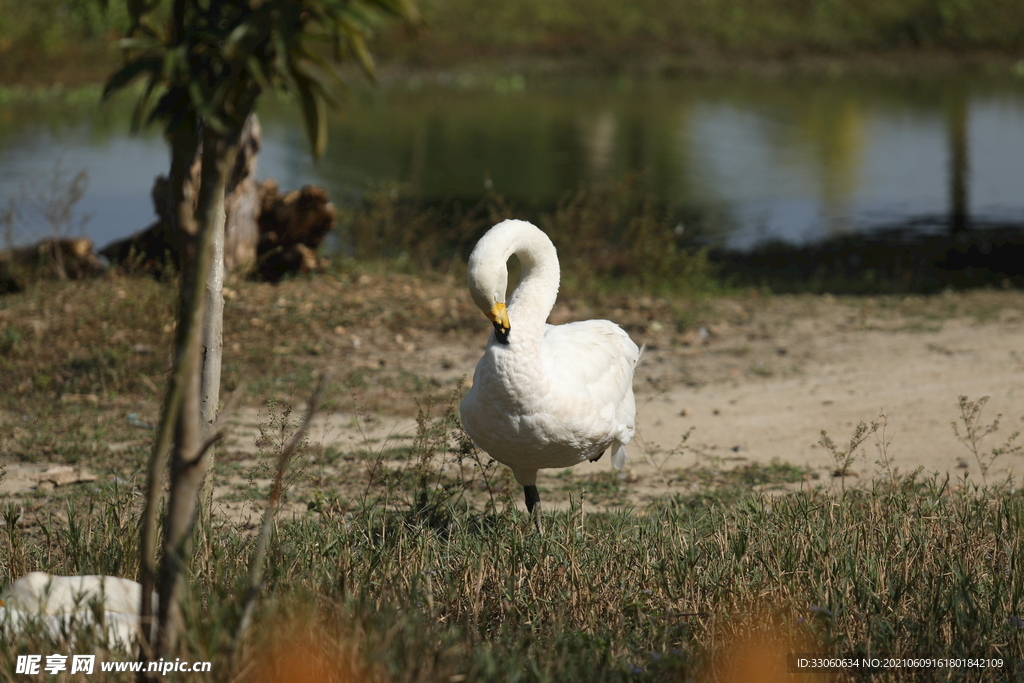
909, 566
49, 202
275, 431
411, 562
882, 443
602, 34
16, 553
844, 458
440, 467
974, 431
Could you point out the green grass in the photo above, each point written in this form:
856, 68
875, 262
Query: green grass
612, 33
69, 41
621, 237
423, 570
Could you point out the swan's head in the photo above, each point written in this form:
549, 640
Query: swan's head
488, 273
487, 285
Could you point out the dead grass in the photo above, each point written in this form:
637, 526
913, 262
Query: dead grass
408, 558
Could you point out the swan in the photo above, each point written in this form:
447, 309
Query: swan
543, 396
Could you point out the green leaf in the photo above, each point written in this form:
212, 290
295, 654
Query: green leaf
130, 71
235, 38
325, 67
174, 59
362, 55
311, 99
136, 43
143, 101
148, 28
195, 94
258, 73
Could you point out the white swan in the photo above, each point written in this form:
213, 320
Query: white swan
543, 395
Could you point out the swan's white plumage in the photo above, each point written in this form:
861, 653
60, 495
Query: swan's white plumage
554, 395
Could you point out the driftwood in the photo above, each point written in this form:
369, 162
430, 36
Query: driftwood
242, 202
267, 234
292, 226
62, 259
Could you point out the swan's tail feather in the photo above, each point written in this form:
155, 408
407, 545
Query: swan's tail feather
618, 455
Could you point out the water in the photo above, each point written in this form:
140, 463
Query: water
799, 159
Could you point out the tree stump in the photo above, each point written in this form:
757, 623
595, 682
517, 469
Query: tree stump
50, 259
292, 226
267, 234
151, 248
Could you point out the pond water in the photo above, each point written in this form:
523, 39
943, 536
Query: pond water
799, 159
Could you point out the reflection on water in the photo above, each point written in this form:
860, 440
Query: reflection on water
796, 159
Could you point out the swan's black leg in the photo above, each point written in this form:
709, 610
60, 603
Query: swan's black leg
532, 501
532, 497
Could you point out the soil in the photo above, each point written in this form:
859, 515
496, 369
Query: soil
755, 384
761, 385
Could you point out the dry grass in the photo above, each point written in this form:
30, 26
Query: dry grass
410, 582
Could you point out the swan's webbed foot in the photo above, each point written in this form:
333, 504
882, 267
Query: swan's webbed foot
532, 505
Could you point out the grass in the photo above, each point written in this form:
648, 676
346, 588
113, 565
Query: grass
412, 581
649, 34
658, 33
395, 293
84, 362
621, 237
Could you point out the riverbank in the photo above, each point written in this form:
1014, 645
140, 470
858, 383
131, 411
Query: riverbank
651, 37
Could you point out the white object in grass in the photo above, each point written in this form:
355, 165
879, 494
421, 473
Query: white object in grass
59, 603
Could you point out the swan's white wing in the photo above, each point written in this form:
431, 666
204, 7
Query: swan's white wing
591, 356
592, 361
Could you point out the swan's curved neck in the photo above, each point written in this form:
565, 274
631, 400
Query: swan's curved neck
487, 276
534, 296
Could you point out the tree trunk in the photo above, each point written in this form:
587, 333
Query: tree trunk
180, 419
242, 202
959, 166
183, 151
190, 459
213, 346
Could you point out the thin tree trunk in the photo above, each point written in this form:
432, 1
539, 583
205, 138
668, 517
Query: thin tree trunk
183, 150
213, 346
190, 459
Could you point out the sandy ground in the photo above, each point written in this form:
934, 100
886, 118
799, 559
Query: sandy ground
763, 389
912, 378
757, 389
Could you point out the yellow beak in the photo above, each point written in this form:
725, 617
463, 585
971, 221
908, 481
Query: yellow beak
499, 317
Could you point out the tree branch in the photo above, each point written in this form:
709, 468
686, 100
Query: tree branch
256, 568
